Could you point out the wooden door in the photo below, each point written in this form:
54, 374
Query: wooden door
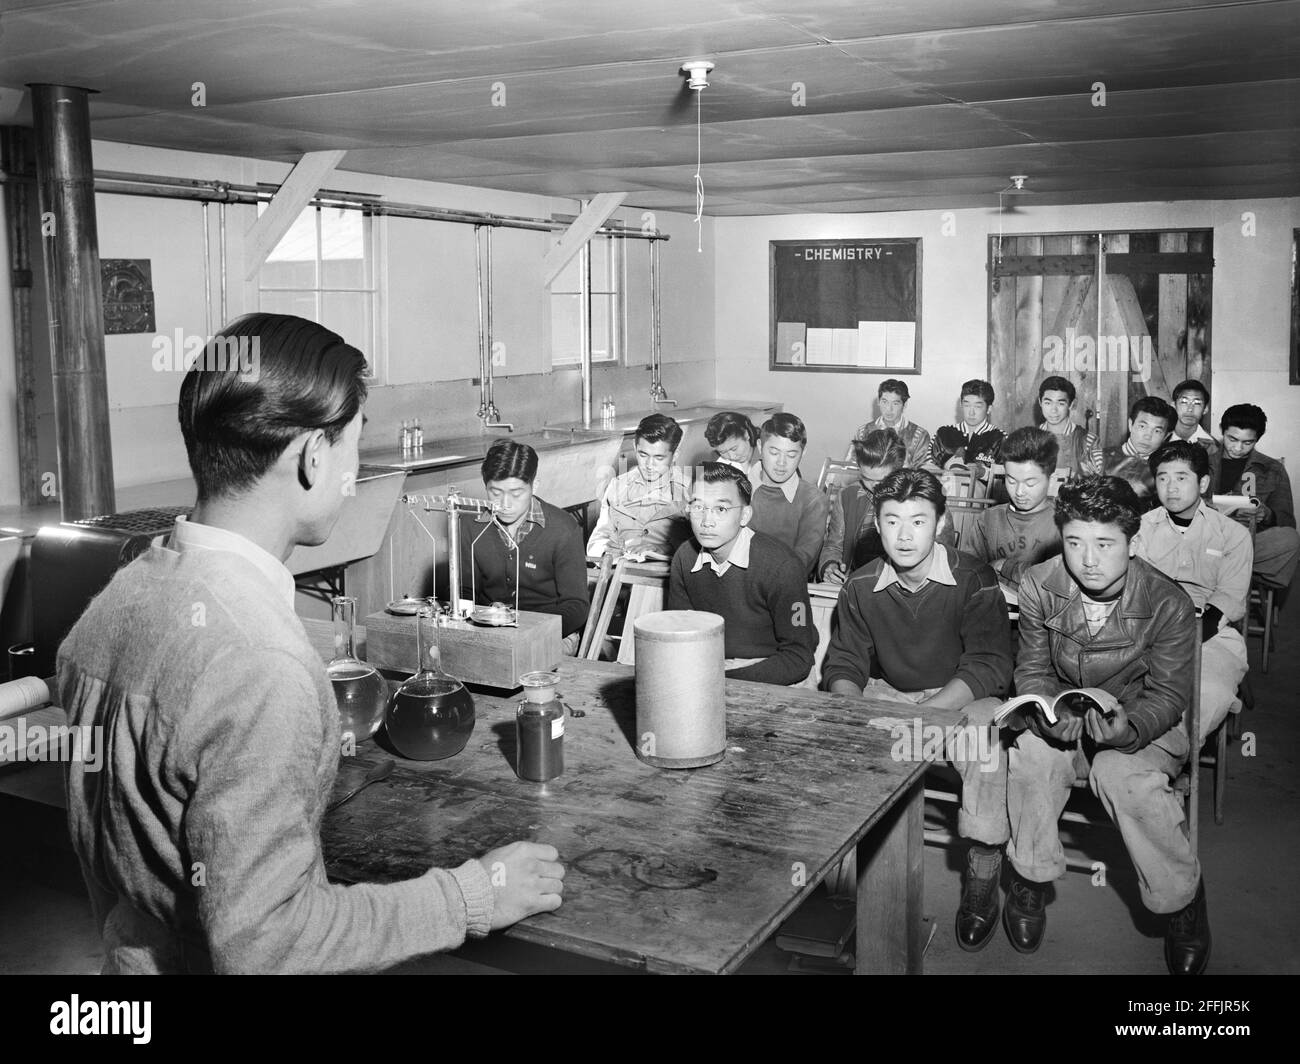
1155, 321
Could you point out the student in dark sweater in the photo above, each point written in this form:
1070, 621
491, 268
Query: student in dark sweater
786, 506
754, 582
929, 626
1022, 532
525, 536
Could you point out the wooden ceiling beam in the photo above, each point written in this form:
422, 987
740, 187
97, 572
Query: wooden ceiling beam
594, 215
303, 182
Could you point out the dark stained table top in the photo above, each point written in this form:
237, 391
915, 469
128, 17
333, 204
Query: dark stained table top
668, 871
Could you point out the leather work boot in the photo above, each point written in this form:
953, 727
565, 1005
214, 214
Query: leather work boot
1025, 914
977, 915
1187, 941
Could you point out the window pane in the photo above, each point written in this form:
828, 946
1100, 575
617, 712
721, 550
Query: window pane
302, 304
564, 330
604, 336
348, 314
343, 248
292, 263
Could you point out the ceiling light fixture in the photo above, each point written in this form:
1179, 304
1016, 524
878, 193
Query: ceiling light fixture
1017, 185
697, 71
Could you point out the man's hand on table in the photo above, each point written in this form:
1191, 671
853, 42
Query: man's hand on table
527, 878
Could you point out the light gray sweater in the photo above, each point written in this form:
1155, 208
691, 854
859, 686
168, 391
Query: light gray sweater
199, 837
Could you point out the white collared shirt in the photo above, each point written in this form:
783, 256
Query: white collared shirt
191, 535
940, 571
738, 557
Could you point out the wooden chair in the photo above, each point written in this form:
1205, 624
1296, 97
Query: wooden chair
835, 474
966, 499
648, 581
1262, 603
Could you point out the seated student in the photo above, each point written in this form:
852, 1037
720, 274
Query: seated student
853, 539
785, 505
751, 580
853, 516
1191, 403
1150, 420
529, 537
734, 438
1098, 617
1209, 555
1277, 544
1080, 452
222, 737
972, 442
892, 397
1023, 532
929, 626
643, 511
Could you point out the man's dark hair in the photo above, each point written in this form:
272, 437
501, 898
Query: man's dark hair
899, 388
978, 388
1030, 444
1244, 416
904, 484
507, 460
1156, 407
728, 424
1105, 500
1058, 384
788, 427
655, 428
1196, 457
1193, 386
722, 472
237, 419
880, 447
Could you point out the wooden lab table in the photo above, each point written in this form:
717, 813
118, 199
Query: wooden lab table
668, 871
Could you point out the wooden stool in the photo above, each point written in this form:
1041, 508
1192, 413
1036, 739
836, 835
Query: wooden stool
647, 581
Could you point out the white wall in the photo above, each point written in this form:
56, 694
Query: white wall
432, 313
1250, 322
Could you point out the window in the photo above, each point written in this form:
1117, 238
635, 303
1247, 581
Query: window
323, 269
607, 287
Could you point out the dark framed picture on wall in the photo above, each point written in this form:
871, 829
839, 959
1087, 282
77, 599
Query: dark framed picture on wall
1295, 308
845, 306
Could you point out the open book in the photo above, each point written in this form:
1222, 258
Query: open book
1231, 504
1015, 712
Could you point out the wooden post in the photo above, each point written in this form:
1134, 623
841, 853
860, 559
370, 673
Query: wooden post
70, 247
16, 162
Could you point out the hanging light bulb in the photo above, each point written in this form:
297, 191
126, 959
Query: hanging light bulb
698, 80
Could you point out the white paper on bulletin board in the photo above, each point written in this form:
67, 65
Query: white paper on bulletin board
871, 343
900, 344
820, 345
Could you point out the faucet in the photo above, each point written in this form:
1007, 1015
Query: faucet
492, 418
658, 395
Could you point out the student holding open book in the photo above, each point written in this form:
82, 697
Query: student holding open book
1099, 617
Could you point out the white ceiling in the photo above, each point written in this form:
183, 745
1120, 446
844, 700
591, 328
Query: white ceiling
910, 104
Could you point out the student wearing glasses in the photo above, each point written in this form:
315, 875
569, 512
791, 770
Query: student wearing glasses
1191, 403
750, 579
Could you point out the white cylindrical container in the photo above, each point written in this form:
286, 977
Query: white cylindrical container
681, 707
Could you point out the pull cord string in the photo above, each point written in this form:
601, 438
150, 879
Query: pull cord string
699, 181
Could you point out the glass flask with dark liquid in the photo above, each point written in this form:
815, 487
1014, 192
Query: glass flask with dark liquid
361, 693
432, 714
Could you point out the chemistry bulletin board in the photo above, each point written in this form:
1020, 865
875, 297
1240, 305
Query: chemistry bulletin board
845, 306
